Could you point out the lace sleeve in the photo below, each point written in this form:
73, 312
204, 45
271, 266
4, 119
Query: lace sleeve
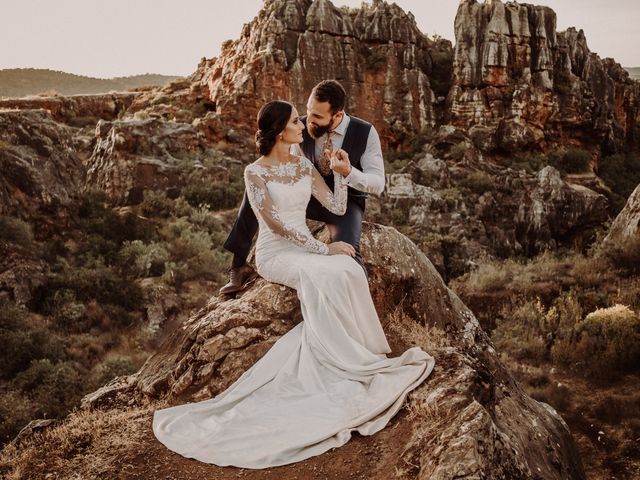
336, 201
265, 210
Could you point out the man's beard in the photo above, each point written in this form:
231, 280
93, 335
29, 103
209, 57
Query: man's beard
316, 131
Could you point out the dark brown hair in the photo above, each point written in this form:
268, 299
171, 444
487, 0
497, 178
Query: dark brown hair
331, 91
272, 119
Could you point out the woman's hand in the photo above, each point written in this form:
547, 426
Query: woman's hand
339, 162
341, 248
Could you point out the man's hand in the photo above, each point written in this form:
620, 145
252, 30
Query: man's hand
340, 163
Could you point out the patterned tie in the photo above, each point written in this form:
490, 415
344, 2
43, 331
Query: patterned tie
324, 164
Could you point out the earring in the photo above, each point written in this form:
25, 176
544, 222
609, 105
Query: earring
280, 137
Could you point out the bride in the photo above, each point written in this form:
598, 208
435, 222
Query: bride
329, 375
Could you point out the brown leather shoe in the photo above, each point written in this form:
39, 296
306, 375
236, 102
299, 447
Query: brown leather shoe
238, 279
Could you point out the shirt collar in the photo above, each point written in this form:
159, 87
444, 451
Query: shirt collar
342, 128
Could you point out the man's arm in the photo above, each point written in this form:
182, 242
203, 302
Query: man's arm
371, 178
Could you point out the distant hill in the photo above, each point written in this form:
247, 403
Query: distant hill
634, 72
18, 82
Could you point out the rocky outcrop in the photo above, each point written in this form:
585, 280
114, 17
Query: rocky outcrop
76, 110
392, 72
132, 155
470, 419
556, 211
626, 226
517, 83
461, 205
622, 243
40, 168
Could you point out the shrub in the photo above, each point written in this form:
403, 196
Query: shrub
555, 394
21, 344
142, 260
478, 182
110, 369
16, 411
574, 160
97, 218
625, 255
15, 230
608, 342
53, 387
156, 204
220, 195
192, 253
621, 172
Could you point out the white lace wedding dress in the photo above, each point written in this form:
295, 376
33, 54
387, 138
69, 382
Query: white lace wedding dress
325, 378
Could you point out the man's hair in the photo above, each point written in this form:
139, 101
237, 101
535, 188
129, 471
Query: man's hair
331, 91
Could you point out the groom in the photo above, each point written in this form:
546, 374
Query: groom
329, 128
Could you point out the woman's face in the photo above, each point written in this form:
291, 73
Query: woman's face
292, 133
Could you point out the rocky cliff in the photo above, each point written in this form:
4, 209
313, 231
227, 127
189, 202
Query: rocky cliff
518, 83
393, 74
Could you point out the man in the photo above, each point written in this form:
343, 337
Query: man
328, 128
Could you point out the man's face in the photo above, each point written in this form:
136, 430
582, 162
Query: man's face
319, 117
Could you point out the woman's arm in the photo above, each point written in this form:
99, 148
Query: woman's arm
263, 207
336, 201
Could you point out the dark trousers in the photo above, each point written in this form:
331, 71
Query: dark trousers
348, 227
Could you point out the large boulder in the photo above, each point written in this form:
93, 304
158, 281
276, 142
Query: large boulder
470, 419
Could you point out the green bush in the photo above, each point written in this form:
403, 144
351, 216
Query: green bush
608, 342
574, 160
478, 182
97, 218
21, 343
15, 230
625, 255
16, 411
156, 204
192, 253
53, 387
142, 260
110, 369
219, 195
621, 173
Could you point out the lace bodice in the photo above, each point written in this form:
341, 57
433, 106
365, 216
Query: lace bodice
279, 196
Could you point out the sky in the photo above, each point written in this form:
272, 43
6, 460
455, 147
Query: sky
109, 38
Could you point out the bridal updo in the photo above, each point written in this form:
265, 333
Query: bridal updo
272, 120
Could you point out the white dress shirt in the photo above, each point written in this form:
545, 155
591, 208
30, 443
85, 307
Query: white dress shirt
371, 178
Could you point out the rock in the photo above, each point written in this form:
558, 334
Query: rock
384, 62
559, 212
470, 418
626, 226
76, 110
32, 427
40, 169
527, 85
133, 155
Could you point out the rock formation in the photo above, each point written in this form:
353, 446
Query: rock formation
622, 243
517, 83
40, 168
471, 419
386, 64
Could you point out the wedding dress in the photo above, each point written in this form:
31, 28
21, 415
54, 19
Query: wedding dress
326, 377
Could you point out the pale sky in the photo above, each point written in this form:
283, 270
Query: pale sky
110, 38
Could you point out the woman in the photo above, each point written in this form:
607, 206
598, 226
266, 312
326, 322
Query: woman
329, 375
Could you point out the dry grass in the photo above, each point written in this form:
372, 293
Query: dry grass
414, 333
83, 446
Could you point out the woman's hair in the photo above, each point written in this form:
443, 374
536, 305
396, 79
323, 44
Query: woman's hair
272, 120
